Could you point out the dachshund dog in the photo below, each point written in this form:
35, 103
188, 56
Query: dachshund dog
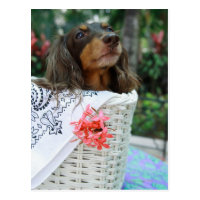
91, 57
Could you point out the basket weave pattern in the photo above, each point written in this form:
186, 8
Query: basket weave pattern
89, 168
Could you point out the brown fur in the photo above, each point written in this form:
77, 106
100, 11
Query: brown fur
88, 63
83, 27
104, 25
94, 75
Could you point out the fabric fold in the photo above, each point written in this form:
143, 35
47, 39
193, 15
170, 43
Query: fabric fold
51, 131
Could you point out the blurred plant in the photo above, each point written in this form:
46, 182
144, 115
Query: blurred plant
158, 38
44, 21
38, 52
153, 62
153, 69
150, 118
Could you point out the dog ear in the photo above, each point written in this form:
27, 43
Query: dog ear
62, 70
123, 79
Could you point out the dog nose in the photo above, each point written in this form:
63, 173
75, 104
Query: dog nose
111, 38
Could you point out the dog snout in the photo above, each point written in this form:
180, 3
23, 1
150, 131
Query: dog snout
111, 38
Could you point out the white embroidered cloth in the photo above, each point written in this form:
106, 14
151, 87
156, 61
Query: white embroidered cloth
51, 131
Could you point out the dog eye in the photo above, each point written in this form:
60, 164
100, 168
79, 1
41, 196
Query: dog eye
109, 29
80, 35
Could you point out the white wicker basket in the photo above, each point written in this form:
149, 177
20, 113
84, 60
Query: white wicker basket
88, 168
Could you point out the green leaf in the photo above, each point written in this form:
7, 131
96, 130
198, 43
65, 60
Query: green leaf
38, 66
34, 59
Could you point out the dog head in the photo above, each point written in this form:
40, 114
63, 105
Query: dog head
94, 46
89, 48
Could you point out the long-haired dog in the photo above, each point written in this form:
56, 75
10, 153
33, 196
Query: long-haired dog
90, 56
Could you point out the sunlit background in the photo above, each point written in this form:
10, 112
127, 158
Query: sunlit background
144, 33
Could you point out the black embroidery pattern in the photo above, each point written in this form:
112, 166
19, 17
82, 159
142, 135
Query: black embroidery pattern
89, 93
51, 123
34, 115
37, 97
44, 116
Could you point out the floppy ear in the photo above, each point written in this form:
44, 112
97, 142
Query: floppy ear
62, 70
123, 79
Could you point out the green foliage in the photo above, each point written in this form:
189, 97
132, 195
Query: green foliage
37, 69
75, 17
116, 19
39, 48
153, 20
150, 118
153, 69
153, 62
43, 21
